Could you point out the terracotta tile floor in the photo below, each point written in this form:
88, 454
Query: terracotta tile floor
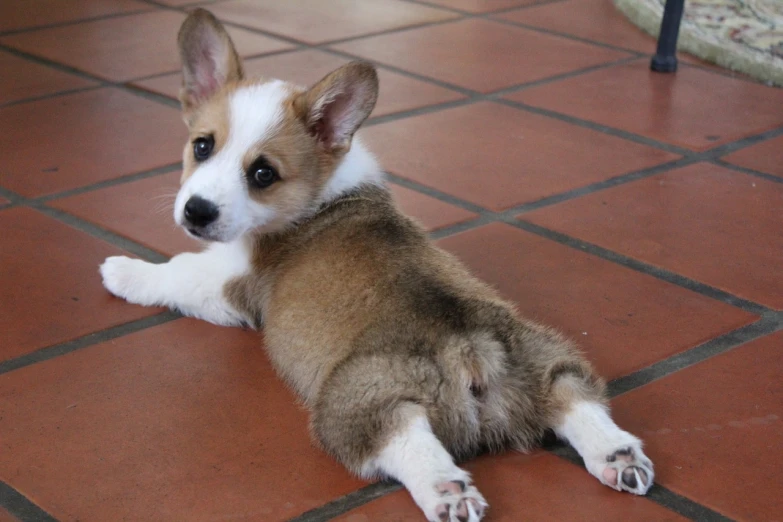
639, 213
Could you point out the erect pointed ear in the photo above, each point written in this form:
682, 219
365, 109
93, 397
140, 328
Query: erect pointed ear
209, 59
334, 108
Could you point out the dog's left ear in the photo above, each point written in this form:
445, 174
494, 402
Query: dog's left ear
209, 59
335, 107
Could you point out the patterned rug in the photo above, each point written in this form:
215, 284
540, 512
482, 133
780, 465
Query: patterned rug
741, 35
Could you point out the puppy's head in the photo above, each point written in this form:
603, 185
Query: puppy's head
261, 153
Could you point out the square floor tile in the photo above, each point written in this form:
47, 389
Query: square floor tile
77, 139
623, 319
479, 54
141, 210
120, 49
21, 14
184, 421
694, 108
24, 79
765, 157
481, 6
317, 22
498, 157
714, 430
705, 222
537, 487
597, 20
49, 285
397, 92
430, 212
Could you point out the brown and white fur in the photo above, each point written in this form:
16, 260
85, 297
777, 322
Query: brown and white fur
405, 360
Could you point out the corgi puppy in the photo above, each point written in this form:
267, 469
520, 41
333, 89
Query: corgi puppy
406, 362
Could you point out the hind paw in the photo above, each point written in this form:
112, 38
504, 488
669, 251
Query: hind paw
459, 501
627, 469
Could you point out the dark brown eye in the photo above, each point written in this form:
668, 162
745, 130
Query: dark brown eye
261, 174
202, 147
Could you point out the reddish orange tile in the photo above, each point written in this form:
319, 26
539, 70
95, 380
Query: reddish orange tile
714, 430
78, 139
5, 516
25, 79
317, 22
498, 157
51, 285
706, 222
597, 20
693, 108
141, 210
398, 92
430, 212
120, 49
181, 3
479, 54
764, 157
183, 421
481, 6
48, 12
538, 487
623, 319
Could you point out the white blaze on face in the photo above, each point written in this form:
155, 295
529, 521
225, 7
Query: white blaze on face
254, 112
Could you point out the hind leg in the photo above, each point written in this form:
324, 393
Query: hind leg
416, 457
612, 455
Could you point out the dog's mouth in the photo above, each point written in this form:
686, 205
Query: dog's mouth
195, 232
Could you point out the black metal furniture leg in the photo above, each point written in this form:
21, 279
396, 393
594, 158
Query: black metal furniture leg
665, 59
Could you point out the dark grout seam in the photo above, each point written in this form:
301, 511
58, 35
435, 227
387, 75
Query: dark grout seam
50, 352
20, 507
120, 180
769, 323
12, 32
99, 232
640, 266
751, 172
658, 494
348, 502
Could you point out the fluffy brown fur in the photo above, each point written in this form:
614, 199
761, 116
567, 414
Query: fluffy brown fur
363, 315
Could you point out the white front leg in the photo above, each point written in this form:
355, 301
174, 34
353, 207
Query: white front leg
190, 283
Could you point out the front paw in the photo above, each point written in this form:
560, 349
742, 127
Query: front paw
126, 277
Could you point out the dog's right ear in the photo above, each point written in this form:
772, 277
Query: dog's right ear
209, 59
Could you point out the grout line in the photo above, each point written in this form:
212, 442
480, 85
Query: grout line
619, 133
348, 502
20, 506
769, 323
572, 37
121, 180
13, 32
11, 196
657, 494
99, 232
40, 60
49, 96
50, 352
751, 172
641, 266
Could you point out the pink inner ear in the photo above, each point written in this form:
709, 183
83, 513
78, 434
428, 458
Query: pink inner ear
340, 115
205, 76
206, 81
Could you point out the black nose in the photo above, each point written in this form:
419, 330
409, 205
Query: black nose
200, 212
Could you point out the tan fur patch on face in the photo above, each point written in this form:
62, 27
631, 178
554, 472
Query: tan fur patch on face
304, 166
211, 119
